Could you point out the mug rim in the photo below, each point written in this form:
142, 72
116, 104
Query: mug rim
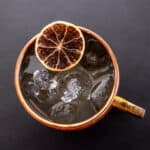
74, 126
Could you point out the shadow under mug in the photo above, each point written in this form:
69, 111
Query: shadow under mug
113, 100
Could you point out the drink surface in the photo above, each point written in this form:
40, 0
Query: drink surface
71, 96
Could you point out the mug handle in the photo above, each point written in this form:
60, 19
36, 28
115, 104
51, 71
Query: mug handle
129, 107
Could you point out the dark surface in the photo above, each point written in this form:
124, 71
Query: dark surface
125, 24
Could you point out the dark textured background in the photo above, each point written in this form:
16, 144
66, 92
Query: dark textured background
125, 24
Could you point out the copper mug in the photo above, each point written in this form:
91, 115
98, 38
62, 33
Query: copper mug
113, 100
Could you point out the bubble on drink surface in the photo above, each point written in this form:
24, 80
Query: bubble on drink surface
63, 112
101, 91
74, 84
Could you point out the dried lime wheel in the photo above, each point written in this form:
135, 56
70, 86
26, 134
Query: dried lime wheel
60, 46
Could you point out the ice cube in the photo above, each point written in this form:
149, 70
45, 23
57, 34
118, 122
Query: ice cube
101, 91
72, 91
31, 90
41, 86
48, 94
69, 96
63, 112
74, 84
95, 55
41, 79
